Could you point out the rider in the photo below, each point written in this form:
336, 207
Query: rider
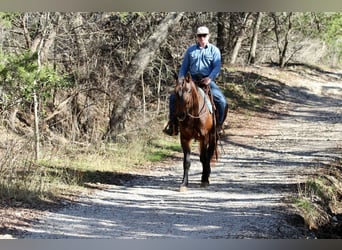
203, 61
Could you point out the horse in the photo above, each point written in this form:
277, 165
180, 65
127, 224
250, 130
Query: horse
195, 122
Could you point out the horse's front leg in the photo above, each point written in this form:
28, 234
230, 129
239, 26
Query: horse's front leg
186, 163
205, 160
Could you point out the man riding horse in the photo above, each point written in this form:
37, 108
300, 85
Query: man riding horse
203, 61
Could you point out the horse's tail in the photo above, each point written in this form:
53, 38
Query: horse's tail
217, 136
216, 151
213, 142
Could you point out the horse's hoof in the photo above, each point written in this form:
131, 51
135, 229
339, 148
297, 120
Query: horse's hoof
183, 188
204, 184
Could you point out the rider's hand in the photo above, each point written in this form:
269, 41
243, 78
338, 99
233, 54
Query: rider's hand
206, 81
180, 80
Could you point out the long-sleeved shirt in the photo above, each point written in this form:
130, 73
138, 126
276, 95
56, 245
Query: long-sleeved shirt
201, 61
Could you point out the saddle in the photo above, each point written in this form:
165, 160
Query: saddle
208, 97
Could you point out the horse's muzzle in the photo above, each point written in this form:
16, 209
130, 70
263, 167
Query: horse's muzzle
181, 116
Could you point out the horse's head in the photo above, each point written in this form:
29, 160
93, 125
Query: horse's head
184, 98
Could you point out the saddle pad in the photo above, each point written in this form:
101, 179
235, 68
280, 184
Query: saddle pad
206, 99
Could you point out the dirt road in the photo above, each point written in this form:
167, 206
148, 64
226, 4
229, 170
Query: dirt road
259, 169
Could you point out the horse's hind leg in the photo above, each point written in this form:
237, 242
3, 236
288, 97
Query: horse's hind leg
207, 153
205, 160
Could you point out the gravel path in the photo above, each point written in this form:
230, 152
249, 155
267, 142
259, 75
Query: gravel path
260, 167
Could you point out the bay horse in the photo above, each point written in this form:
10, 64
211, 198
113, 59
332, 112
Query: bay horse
195, 122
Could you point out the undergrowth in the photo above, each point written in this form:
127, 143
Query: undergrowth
66, 168
70, 166
319, 198
247, 90
21, 179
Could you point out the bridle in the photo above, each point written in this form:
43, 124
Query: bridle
201, 112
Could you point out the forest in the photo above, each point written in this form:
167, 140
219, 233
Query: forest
73, 78
85, 77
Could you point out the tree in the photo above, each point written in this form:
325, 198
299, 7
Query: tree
222, 35
329, 27
108, 82
251, 56
135, 69
245, 22
24, 77
282, 29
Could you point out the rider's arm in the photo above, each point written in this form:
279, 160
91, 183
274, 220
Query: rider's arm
216, 63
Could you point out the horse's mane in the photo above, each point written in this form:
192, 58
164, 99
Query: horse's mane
194, 93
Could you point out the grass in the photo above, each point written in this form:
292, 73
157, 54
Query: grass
307, 205
68, 168
243, 95
308, 211
246, 90
113, 156
157, 150
319, 198
21, 180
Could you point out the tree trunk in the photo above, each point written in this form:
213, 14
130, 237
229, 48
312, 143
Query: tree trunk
221, 35
134, 71
231, 33
50, 39
282, 46
77, 23
143, 97
251, 56
286, 42
41, 45
35, 95
240, 38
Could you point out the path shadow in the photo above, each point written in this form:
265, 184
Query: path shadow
275, 91
313, 70
141, 215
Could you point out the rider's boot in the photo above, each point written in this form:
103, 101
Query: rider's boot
219, 129
171, 128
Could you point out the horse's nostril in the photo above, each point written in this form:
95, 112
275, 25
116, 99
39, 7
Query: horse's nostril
181, 116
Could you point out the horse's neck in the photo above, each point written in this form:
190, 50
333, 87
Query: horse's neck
197, 99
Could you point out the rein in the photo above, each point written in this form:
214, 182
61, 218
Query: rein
200, 113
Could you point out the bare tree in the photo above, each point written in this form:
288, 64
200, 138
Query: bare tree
135, 69
40, 45
103, 55
251, 56
282, 25
222, 35
241, 36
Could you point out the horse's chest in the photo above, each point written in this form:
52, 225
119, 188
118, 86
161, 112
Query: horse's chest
192, 131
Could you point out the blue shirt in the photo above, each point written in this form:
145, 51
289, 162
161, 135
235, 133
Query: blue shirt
204, 61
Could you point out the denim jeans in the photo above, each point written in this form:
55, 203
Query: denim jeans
219, 100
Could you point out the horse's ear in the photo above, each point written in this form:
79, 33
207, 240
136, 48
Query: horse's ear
188, 77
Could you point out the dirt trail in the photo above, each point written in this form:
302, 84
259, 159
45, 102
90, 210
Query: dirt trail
262, 163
